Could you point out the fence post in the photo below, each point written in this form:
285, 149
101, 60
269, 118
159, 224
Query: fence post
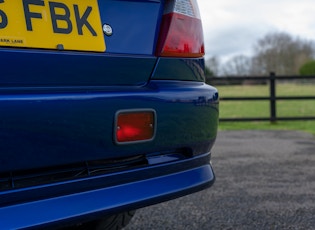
273, 109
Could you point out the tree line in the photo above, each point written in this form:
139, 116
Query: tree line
277, 52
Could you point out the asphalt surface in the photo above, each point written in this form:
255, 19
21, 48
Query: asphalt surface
264, 180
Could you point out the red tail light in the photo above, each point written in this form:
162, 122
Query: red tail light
181, 32
134, 126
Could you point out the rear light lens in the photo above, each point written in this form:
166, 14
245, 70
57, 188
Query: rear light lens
134, 126
181, 33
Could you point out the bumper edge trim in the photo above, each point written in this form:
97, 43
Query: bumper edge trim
106, 200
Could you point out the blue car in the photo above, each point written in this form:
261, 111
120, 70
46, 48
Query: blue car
103, 110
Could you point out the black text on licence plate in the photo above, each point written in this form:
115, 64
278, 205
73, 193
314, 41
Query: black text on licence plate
63, 24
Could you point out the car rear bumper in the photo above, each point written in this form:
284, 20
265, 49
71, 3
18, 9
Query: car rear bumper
60, 210
43, 128
60, 165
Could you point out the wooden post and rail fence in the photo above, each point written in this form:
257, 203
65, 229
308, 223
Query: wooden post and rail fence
272, 98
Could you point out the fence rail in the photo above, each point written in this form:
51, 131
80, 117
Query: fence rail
272, 98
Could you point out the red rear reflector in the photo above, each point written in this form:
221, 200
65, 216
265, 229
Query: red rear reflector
134, 126
181, 33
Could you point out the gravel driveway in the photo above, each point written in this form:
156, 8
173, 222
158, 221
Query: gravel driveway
265, 180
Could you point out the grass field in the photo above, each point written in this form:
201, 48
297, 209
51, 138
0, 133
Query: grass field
291, 108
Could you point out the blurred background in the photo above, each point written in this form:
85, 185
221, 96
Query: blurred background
241, 36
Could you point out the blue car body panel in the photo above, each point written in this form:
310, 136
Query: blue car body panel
31, 68
48, 140
99, 202
57, 116
135, 25
47, 129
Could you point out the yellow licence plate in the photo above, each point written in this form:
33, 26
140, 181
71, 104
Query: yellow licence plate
57, 24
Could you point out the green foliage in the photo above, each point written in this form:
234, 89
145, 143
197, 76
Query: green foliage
291, 108
308, 69
306, 126
278, 52
208, 72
